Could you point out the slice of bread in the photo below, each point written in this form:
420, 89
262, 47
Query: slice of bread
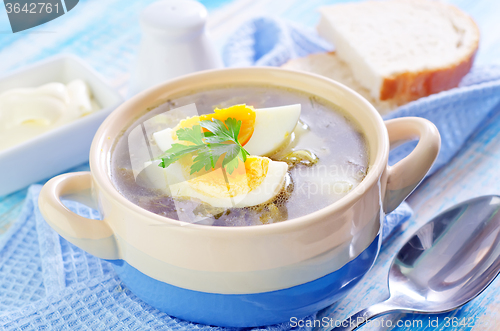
331, 66
401, 50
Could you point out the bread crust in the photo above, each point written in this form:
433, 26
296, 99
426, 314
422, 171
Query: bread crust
409, 86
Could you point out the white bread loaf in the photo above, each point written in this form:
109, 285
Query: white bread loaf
329, 65
401, 50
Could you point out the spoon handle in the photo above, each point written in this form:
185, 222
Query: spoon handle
362, 316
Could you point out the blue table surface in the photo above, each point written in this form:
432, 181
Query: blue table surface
106, 33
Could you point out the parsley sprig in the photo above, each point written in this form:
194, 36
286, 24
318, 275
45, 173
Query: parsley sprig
221, 139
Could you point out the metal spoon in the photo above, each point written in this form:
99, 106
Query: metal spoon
444, 265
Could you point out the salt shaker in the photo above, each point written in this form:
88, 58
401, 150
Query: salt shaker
174, 43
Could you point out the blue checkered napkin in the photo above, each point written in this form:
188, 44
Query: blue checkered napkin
269, 41
457, 113
21, 279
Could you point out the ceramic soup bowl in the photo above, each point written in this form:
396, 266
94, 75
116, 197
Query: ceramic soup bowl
250, 275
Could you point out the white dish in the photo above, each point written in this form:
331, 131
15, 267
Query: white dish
63, 147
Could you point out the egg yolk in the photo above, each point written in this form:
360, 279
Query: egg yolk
242, 113
246, 177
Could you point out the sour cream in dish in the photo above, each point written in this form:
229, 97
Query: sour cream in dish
28, 112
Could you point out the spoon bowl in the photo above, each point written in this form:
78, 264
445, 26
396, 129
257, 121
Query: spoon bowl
445, 264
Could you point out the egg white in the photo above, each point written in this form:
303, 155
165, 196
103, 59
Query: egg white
272, 129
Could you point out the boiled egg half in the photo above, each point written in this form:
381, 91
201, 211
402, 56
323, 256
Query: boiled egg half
256, 181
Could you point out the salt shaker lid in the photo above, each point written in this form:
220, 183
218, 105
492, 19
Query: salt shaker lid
174, 17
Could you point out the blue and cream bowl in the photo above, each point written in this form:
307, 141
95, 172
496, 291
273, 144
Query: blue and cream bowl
242, 276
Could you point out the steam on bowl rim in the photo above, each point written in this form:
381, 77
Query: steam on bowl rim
100, 155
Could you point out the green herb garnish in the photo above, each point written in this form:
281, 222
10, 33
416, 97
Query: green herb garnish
221, 139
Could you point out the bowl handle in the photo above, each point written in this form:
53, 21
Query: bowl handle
93, 236
404, 176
